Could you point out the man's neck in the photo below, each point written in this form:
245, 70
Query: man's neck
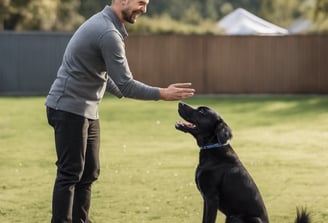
117, 11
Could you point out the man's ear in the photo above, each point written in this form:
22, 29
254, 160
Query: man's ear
122, 2
119, 3
223, 132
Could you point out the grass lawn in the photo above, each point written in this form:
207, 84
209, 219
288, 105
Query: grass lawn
147, 167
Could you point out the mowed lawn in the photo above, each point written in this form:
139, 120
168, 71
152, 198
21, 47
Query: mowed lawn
147, 167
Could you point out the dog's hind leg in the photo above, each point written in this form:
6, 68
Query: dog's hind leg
236, 219
233, 219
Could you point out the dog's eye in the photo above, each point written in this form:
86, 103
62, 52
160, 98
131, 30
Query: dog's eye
201, 112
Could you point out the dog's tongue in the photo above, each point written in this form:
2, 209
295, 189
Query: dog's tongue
185, 124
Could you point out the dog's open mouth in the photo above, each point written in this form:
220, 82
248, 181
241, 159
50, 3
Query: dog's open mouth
185, 126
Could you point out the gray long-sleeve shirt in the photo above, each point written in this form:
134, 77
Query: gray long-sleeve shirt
94, 61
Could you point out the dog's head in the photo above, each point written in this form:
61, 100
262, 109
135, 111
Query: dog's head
204, 124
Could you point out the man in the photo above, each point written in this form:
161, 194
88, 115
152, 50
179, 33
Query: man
94, 61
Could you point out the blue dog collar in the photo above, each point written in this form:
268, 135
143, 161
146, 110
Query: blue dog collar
213, 146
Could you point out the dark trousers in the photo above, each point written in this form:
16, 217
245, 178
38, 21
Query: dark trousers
77, 146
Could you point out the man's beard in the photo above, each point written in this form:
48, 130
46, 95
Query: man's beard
130, 17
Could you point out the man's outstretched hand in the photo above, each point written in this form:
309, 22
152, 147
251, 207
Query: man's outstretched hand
177, 91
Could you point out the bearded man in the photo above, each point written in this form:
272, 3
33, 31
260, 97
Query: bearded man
94, 62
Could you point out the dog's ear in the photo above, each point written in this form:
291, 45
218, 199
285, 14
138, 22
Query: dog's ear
223, 132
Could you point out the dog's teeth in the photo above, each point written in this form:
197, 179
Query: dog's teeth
185, 124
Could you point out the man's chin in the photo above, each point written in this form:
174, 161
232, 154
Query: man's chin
131, 20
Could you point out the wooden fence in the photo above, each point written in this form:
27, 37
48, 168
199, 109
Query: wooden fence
214, 64
233, 64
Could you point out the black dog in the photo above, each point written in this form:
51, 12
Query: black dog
221, 178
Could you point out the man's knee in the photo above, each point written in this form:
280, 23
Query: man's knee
90, 175
69, 174
76, 173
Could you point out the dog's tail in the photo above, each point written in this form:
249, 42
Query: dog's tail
303, 216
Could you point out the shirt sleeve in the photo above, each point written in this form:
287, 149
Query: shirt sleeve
113, 52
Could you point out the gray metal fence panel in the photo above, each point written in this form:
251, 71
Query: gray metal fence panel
29, 61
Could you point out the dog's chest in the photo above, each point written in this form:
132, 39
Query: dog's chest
211, 169
207, 175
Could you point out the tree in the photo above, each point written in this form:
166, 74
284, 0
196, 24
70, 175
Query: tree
67, 16
36, 15
90, 7
321, 16
285, 12
321, 9
280, 12
45, 15
5, 10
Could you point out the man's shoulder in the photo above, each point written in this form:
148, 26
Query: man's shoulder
95, 28
100, 22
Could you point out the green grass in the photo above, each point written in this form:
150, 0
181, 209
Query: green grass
147, 167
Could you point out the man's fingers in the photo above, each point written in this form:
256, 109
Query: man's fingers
185, 96
177, 91
181, 85
183, 90
184, 93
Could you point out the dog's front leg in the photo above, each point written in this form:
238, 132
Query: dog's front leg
209, 210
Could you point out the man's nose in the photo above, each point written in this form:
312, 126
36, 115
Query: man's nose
143, 9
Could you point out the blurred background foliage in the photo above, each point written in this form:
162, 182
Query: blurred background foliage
163, 16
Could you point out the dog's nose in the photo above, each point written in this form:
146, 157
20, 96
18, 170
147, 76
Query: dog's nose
181, 104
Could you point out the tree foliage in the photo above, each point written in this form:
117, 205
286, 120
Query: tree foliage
43, 15
284, 12
5, 10
66, 15
89, 7
321, 15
